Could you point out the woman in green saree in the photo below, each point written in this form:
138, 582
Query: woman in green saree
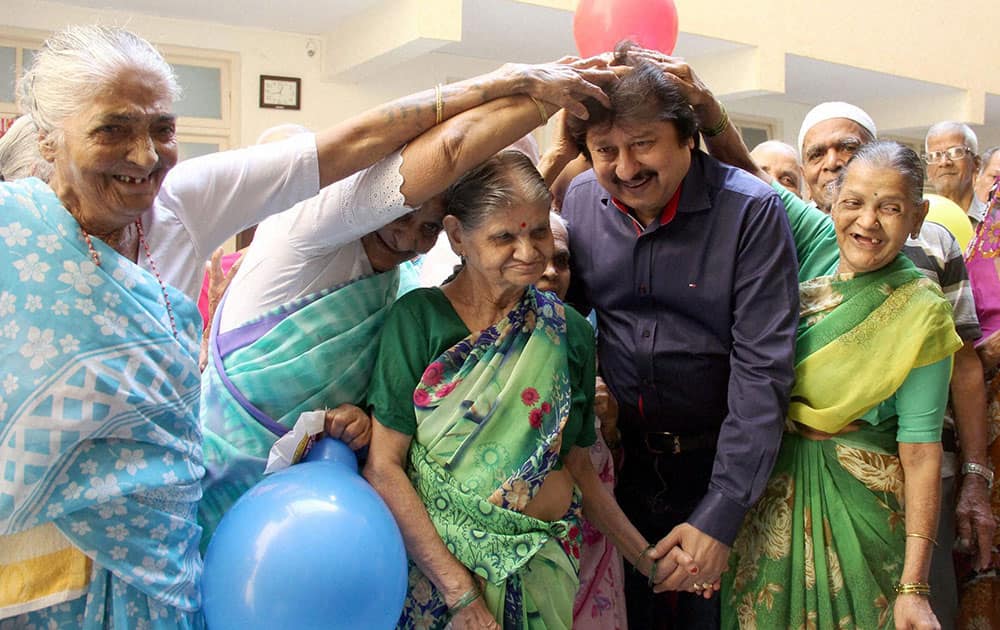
483, 399
830, 545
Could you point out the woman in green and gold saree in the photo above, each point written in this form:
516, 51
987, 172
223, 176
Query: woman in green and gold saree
483, 399
842, 537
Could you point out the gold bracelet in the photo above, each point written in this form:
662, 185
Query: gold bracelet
909, 535
711, 132
541, 110
914, 588
438, 104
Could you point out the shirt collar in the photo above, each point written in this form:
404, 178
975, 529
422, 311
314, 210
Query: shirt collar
694, 188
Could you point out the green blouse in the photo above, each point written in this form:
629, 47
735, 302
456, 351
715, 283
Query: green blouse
422, 324
920, 401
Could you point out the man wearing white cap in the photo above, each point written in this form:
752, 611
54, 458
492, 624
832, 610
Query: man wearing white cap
952, 156
830, 135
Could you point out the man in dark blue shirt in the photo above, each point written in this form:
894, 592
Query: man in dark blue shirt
691, 268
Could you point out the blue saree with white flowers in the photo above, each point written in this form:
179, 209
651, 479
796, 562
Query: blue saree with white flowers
100, 447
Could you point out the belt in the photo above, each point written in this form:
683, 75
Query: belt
667, 443
949, 441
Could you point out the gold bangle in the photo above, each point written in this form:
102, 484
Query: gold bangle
914, 588
438, 104
541, 109
909, 535
711, 132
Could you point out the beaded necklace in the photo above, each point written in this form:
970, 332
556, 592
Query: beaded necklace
152, 265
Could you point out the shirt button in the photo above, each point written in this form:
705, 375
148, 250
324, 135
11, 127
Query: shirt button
645, 333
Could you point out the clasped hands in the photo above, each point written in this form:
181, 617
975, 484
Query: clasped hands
687, 559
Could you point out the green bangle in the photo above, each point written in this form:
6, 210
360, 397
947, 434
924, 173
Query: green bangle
711, 132
652, 568
467, 598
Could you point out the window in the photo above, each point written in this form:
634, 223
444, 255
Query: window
207, 110
754, 131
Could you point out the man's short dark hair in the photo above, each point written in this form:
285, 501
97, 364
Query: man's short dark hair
643, 95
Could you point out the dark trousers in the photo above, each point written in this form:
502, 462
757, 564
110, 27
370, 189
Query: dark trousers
658, 492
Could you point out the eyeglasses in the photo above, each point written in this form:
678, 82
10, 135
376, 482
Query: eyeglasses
954, 154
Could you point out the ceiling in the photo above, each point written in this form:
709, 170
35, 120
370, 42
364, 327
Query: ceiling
528, 32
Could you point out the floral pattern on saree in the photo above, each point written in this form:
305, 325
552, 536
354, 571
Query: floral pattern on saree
490, 414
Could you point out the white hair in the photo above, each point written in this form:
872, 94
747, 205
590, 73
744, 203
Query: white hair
76, 64
19, 156
950, 126
559, 220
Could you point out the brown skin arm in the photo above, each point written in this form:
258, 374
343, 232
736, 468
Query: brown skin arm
921, 487
386, 472
974, 518
362, 140
439, 156
603, 512
989, 351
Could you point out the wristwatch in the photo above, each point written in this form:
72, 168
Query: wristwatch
970, 468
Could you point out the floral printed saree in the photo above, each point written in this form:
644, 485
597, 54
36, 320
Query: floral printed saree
490, 415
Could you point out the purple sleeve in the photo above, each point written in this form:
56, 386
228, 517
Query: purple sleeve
766, 305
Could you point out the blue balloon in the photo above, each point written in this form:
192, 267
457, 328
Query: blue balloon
311, 546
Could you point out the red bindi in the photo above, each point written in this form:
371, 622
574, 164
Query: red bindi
524, 225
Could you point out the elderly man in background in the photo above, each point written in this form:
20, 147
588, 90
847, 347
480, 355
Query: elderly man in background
952, 156
780, 160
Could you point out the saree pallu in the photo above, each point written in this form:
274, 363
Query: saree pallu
313, 353
490, 414
99, 437
848, 355
823, 548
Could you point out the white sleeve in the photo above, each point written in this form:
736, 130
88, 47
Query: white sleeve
217, 195
348, 209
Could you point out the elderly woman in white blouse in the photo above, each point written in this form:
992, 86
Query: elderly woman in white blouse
99, 434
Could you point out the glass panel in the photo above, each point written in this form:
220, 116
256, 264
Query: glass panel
188, 150
753, 136
27, 58
7, 74
201, 94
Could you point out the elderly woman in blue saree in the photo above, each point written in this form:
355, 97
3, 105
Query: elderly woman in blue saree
101, 449
482, 398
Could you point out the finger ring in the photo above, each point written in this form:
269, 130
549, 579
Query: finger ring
696, 586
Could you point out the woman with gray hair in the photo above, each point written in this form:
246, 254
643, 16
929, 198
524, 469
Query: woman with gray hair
19, 156
98, 330
482, 397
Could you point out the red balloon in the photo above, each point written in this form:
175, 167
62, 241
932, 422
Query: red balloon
600, 24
